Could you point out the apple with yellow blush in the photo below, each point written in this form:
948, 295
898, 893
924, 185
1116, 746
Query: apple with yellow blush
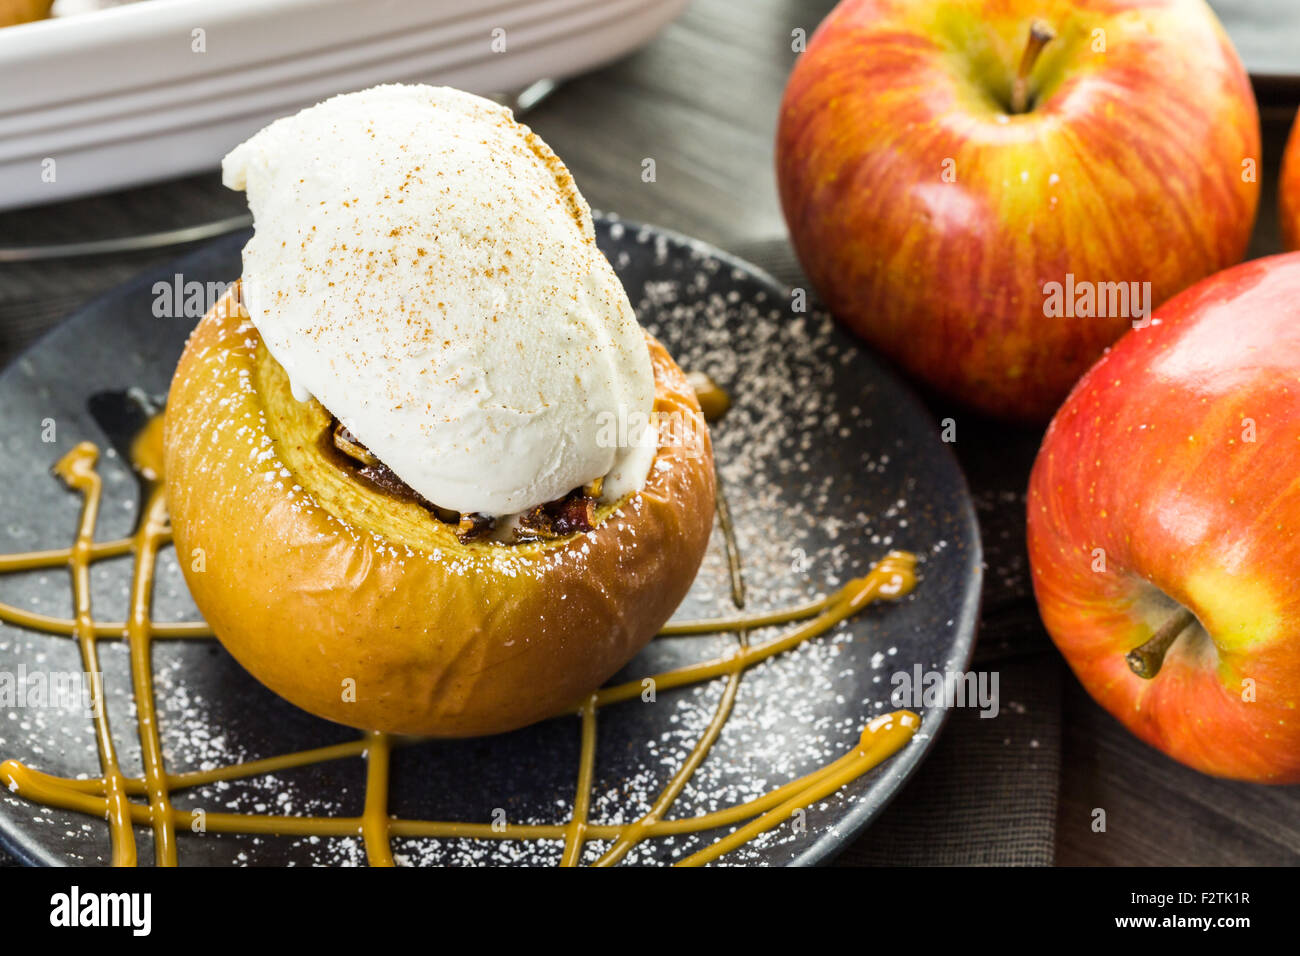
941, 161
1164, 525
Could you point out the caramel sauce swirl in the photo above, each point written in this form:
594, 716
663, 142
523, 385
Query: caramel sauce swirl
126, 802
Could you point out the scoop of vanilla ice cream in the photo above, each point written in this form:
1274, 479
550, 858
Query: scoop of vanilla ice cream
425, 267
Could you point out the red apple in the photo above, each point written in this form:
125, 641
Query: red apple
1165, 506
930, 210
1288, 190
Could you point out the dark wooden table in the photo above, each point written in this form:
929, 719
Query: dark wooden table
701, 100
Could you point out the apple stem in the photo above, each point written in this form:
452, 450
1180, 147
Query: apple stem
1145, 661
1040, 34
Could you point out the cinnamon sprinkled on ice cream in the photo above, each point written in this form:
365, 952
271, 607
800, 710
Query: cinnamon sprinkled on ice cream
425, 267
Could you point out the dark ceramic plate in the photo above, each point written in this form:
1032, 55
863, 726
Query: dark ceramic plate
828, 462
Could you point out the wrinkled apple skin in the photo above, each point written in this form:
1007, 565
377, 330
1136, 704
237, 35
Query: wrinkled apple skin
1135, 164
1172, 474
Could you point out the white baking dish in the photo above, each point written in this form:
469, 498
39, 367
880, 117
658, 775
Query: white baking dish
120, 96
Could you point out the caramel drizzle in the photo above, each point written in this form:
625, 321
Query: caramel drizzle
109, 796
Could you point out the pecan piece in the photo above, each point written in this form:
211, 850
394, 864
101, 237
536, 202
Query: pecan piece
572, 514
474, 525
386, 480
